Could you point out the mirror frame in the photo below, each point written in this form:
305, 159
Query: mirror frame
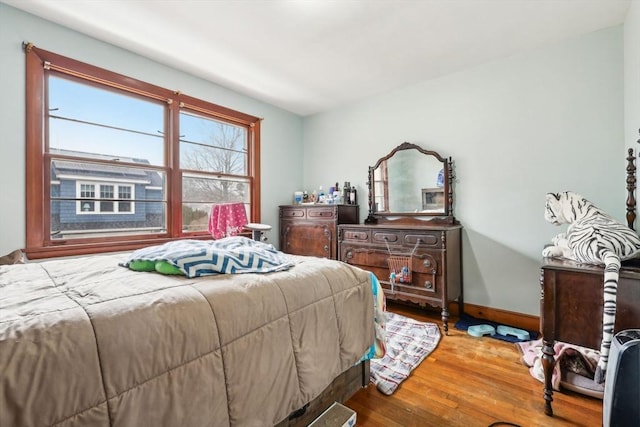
445, 217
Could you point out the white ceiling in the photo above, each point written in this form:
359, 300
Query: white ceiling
308, 56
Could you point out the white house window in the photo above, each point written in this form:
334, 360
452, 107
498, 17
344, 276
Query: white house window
125, 192
87, 191
107, 203
106, 192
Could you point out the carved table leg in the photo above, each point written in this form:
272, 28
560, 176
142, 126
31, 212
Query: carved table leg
445, 321
548, 361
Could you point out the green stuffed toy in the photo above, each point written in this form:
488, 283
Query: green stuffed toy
162, 267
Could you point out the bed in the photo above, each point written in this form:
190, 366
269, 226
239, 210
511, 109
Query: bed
88, 342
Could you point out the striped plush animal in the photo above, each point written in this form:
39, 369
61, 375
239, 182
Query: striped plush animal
593, 237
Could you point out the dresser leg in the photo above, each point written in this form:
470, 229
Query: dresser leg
445, 321
548, 361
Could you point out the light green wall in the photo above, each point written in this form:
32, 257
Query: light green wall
281, 130
542, 121
632, 77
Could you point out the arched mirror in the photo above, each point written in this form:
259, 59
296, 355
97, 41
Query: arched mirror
411, 182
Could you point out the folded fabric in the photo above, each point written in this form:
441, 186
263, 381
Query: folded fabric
230, 255
408, 343
227, 219
378, 348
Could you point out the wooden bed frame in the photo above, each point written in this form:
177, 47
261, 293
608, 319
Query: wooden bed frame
631, 189
340, 390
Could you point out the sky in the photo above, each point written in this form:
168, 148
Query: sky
139, 122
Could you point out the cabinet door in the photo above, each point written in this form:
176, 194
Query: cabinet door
308, 238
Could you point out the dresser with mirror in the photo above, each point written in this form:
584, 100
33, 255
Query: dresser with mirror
410, 240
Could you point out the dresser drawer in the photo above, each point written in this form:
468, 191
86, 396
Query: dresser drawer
431, 239
426, 287
352, 235
386, 236
292, 213
378, 258
426, 267
321, 213
367, 257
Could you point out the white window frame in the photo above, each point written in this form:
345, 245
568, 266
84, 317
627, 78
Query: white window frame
97, 206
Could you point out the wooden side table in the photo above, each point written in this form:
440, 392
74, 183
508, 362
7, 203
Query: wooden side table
571, 308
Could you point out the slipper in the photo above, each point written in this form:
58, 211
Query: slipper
480, 330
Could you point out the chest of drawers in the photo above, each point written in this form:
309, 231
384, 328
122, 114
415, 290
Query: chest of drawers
434, 261
313, 229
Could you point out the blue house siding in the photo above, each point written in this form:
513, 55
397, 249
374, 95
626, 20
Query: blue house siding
153, 208
68, 213
55, 192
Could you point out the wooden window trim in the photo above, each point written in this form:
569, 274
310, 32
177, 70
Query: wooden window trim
38, 242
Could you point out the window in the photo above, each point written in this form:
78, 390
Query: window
87, 192
107, 203
124, 194
211, 146
128, 163
381, 188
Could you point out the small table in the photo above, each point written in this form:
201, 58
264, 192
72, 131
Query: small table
257, 229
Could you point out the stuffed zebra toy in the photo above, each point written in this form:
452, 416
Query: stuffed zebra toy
592, 237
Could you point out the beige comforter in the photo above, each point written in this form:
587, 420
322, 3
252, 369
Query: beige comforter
85, 342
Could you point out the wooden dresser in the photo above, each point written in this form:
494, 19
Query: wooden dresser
313, 229
571, 308
435, 260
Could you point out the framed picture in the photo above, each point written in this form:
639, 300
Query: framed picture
433, 199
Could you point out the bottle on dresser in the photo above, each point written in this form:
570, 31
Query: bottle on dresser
346, 192
353, 196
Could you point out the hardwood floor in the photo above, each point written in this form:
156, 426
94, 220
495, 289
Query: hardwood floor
470, 382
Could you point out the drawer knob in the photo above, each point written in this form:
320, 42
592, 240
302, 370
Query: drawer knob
427, 263
326, 248
428, 284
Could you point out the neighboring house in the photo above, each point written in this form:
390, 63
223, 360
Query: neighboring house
97, 198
